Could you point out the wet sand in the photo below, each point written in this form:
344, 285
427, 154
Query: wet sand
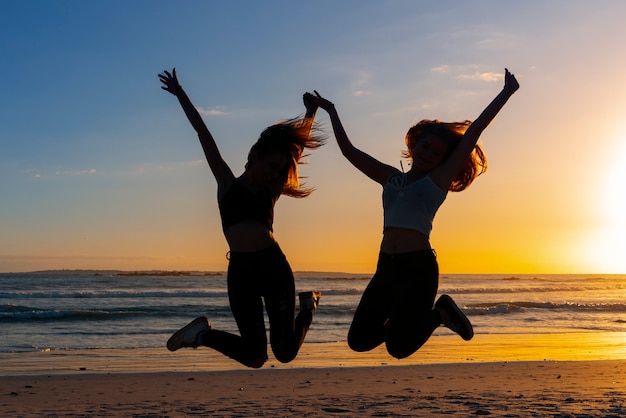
523, 375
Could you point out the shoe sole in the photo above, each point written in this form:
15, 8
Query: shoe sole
458, 313
176, 340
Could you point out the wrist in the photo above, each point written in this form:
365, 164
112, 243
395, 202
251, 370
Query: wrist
510, 90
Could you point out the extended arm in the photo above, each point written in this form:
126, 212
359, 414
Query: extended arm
371, 167
218, 166
310, 103
455, 163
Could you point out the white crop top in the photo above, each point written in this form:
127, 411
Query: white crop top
411, 206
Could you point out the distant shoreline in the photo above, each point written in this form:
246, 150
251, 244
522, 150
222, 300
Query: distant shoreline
163, 272
123, 272
156, 272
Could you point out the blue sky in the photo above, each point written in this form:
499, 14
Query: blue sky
100, 169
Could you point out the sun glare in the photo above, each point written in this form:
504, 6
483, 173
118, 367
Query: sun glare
610, 252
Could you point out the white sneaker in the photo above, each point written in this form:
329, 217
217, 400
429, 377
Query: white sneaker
188, 335
458, 321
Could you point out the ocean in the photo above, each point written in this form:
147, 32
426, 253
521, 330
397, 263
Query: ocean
83, 310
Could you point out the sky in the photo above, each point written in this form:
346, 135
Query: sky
99, 168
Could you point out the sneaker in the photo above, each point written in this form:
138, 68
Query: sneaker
458, 322
309, 300
188, 335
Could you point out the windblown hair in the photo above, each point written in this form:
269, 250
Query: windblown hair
452, 133
289, 138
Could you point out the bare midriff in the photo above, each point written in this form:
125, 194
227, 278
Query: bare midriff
248, 236
402, 240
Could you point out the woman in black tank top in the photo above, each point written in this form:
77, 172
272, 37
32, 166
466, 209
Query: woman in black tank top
258, 270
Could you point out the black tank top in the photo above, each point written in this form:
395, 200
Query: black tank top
242, 204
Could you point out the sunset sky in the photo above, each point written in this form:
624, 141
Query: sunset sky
99, 168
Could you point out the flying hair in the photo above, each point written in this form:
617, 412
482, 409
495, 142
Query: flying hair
290, 138
452, 133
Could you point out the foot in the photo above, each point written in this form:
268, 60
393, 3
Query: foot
188, 336
456, 319
309, 300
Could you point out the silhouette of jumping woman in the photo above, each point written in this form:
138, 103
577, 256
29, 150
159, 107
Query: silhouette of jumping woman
398, 306
258, 270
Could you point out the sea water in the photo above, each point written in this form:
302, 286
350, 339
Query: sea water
68, 310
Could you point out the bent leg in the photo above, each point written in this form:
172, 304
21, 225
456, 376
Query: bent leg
250, 347
412, 318
367, 330
286, 332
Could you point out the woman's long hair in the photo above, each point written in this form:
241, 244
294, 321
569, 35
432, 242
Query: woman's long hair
289, 138
452, 133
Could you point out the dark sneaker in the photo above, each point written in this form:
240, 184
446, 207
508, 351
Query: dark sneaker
188, 335
309, 300
458, 321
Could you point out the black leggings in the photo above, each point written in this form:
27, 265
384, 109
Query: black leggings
397, 306
252, 278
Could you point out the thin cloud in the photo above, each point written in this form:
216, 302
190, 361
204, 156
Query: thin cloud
362, 80
468, 72
149, 168
482, 76
33, 173
442, 69
76, 173
211, 112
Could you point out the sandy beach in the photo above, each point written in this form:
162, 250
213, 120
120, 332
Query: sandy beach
574, 388
523, 375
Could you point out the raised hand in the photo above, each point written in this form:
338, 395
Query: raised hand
171, 82
321, 102
510, 82
310, 103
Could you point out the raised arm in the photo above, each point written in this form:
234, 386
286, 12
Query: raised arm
371, 167
310, 103
446, 173
219, 168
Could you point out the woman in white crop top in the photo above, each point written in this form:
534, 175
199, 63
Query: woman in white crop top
398, 306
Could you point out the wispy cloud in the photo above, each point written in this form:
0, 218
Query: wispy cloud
148, 168
76, 172
363, 79
442, 69
49, 173
485, 76
33, 173
467, 72
210, 112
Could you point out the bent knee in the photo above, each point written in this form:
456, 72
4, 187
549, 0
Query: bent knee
398, 354
284, 353
401, 349
358, 346
256, 362
361, 342
284, 358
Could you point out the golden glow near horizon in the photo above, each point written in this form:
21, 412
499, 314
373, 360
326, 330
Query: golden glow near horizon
111, 176
608, 247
